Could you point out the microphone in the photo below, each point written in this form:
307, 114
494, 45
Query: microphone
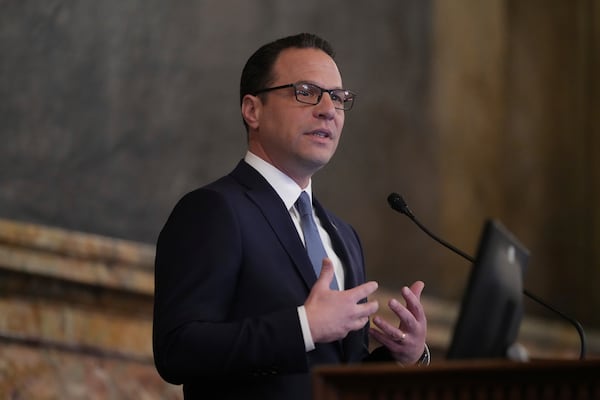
397, 203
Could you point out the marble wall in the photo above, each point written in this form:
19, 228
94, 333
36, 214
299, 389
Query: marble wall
76, 316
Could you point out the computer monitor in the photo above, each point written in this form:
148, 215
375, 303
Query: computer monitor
492, 305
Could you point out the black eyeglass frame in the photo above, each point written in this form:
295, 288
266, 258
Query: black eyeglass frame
331, 92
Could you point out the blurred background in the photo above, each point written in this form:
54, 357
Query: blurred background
110, 111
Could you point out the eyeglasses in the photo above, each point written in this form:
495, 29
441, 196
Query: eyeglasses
308, 93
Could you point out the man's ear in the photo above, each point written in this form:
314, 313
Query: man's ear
251, 108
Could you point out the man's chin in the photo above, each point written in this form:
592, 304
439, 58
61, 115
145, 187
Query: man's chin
315, 164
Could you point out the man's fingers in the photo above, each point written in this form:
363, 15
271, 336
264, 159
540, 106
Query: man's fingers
362, 291
368, 308
417, 288
412, 296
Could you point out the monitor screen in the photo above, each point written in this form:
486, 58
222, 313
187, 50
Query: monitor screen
492, 305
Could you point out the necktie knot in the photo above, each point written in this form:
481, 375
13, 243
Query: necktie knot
303, 204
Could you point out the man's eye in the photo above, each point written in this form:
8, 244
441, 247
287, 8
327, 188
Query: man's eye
307, 91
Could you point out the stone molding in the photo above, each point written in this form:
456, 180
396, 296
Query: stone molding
76, 257
76, 291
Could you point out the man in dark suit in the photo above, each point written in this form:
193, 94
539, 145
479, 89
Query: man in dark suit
240, 310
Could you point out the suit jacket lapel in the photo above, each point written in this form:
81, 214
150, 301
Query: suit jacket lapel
339, 246
268, 201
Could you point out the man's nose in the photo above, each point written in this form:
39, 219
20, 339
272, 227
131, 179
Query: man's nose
326, 107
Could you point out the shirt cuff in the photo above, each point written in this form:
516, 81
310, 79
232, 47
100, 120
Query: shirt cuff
309, 345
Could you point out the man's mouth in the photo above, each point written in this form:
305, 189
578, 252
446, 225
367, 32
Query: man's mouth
321, 133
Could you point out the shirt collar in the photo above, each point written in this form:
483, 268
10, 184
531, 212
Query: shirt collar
287, 189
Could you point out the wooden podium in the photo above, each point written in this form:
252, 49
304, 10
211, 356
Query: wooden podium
481, 379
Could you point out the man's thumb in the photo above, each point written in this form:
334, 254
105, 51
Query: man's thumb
327, 272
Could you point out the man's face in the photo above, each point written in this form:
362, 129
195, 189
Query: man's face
298, 138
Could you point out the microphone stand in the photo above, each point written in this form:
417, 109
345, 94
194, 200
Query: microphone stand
397, 203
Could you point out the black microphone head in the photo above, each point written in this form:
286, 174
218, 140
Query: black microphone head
397, 203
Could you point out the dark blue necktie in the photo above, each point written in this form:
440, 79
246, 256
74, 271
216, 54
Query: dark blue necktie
312, 240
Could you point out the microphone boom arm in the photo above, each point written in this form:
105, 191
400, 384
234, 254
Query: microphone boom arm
442, 241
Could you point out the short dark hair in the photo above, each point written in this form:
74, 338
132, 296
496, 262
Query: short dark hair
258, 71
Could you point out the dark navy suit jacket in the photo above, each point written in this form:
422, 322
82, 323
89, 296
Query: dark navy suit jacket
231, 271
